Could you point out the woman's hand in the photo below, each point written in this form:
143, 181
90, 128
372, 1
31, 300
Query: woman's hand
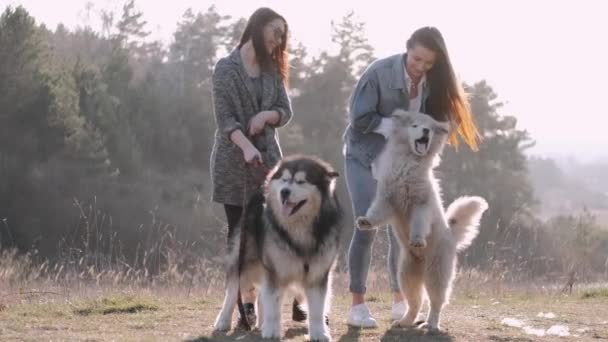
260, 120
252, 155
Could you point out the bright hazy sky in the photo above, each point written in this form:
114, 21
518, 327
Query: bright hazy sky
546, 59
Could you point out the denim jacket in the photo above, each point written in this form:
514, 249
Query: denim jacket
380, 90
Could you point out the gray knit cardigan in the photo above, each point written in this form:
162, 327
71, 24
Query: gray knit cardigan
234, 104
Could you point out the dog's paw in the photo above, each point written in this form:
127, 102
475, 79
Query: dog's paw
409, 320
319, 332
363, 223
399, 324
271, 331
432, 329
417, 242
221, 325
403, 323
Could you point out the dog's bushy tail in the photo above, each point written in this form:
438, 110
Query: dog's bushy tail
463, 216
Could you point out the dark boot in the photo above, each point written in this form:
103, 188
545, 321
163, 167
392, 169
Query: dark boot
297, 314
250, 314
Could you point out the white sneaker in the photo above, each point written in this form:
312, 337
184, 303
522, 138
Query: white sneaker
398, 310
361, 317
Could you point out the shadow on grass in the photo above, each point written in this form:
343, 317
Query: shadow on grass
352, 334
232, 335
414, 334
295, 331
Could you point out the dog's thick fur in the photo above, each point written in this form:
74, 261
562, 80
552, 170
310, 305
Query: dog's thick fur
290, 240
408, 197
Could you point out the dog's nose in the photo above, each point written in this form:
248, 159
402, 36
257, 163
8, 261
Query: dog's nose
425, 131
285, 193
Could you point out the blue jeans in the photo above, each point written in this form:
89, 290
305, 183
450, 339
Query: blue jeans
362, 189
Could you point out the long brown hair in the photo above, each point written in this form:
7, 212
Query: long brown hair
255, 31
446, 96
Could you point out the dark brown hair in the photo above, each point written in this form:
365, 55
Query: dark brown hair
446, 96
254, 30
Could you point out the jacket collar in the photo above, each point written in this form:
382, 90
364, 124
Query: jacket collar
267, 82
398, 76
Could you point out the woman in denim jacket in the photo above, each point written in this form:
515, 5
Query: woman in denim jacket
422, 79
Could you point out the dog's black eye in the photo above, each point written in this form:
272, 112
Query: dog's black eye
415, 126
300, 182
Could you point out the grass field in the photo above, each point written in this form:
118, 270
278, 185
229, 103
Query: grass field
90, 313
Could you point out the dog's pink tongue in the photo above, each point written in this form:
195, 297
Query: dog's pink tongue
287, 208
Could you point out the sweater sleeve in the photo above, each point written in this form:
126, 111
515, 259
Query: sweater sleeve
223, 107
282, 105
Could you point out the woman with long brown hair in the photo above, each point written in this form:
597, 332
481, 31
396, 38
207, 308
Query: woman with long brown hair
421, 79
249, 102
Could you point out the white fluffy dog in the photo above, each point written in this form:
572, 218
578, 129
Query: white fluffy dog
408, 197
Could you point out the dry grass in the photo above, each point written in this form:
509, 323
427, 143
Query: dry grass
169, 293
172, 315
99, 311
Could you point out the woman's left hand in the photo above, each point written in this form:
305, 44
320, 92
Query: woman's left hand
259, 121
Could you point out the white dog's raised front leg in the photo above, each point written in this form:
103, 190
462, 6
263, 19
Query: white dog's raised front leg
420, 225
317, 329
379, 213
272, 297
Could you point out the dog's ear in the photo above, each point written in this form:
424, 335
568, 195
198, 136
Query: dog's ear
332, 174
402, 116
442, 127
331, 179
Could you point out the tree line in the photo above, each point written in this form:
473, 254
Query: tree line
105, 140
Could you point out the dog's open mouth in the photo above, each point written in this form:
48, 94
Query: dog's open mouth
290, 208
421, 145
